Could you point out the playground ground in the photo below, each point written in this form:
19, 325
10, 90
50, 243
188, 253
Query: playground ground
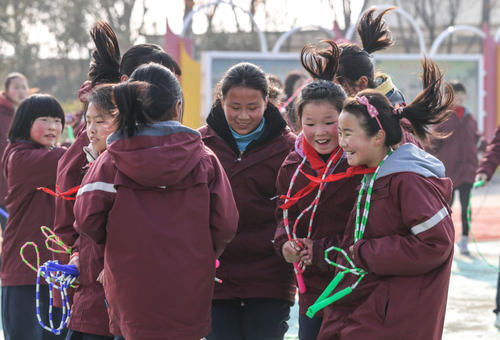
473, 281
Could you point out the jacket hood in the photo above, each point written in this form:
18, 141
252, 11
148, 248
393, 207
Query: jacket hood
410, 158
159, 155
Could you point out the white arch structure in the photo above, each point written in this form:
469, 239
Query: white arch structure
189, 18
421, 40
449, 31
286, 35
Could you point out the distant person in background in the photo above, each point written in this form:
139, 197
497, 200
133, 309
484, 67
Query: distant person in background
487, 167
74, 124
15, 91
276, 95
293, 81
458, 152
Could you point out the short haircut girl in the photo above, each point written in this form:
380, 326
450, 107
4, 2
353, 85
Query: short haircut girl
35, 106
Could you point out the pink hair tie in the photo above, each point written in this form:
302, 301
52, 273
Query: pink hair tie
372, 110
84, 91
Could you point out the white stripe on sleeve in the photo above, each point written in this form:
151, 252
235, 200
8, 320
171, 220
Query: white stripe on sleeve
431, 222
102, 186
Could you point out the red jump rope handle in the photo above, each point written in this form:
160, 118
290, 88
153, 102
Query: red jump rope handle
300, 278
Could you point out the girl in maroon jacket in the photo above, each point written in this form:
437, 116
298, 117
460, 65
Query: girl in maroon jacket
161, 203
250, 138
316, 154
400, 234
89, 318
458, 152
29, 162
16, 90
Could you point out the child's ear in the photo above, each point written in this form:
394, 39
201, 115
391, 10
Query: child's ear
380, 137
179, 110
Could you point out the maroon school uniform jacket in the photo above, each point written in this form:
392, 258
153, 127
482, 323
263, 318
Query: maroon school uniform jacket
336, 202
491, 158
88, 312
162, 204
250, 268
458, 151
6, 115
27, 166
407, 250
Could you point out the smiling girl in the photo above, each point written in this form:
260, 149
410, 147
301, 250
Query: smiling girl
29, 162
251, 139
316, 154
401, 233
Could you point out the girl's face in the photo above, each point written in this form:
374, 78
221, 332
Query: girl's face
319, 125
99, 126
46, 131
244, 108
17, 90
360, 148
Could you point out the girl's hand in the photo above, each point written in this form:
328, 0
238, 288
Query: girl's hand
75, 261
481, 177
351, 253
290, 252
306, 254
100, 277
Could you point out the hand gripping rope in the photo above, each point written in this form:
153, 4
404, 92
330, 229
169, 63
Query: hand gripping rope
299, 267
324, 299
64, 275
469, 219
56, 275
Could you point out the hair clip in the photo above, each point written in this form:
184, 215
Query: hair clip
372, 110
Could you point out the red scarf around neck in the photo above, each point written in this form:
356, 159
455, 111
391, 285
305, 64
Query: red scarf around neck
320, 167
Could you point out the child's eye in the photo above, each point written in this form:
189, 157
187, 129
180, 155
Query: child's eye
330, 123
309, 124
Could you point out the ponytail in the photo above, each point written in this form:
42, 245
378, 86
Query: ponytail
432, 105
105, 62
374, 33
355, 62
129, 98
150, 95
321, 63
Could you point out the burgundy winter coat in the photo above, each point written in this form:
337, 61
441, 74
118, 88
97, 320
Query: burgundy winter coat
27, 166
88, 312
458, 151
407, 250
250, 268
162, 204
7, 111
491, 158
336, 202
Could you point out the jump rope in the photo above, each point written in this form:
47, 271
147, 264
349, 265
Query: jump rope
325, 299
56, 275
476, 185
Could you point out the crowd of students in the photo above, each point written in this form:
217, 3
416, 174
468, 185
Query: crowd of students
352, 197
